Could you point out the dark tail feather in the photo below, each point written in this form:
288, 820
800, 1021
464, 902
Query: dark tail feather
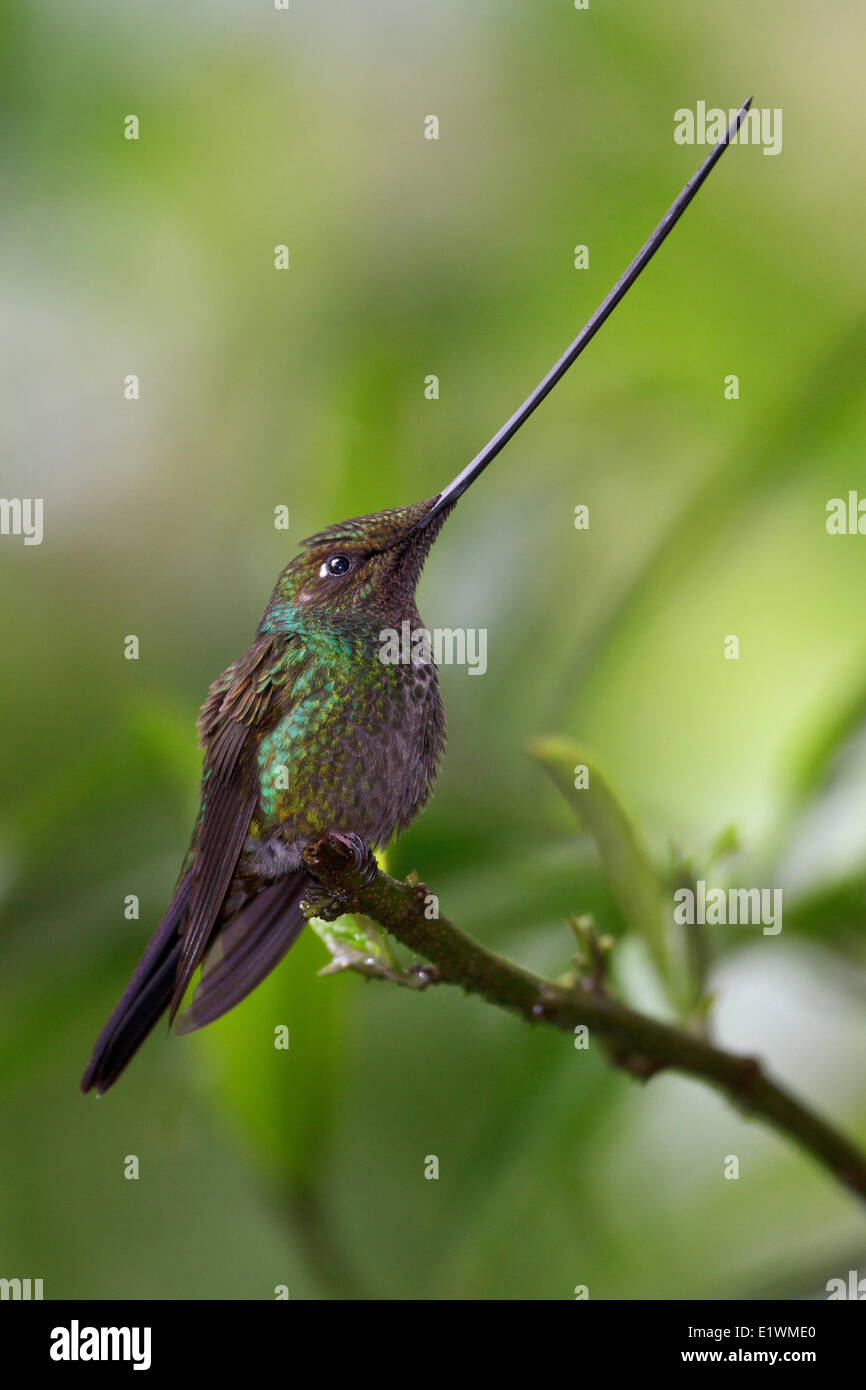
246, 950
144, 1000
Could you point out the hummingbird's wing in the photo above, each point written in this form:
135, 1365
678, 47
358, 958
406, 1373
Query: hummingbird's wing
240, 704
236, 708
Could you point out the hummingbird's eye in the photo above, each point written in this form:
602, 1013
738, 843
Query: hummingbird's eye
337, 564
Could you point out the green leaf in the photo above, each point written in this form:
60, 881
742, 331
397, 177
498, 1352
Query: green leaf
358, 943
633, 880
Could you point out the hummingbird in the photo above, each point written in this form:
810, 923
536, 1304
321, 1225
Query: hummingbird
311, 732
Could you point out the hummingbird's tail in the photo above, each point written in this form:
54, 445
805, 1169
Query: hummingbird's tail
144, 1000
244, 950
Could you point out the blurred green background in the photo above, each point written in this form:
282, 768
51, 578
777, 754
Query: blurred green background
306, 388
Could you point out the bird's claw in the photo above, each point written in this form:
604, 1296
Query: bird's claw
362, 857
342, 849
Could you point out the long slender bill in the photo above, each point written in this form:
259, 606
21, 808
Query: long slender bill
456, 488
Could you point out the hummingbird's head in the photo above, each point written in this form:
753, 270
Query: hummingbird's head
368, 566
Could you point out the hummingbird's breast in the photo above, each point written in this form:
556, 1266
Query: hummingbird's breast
359, 748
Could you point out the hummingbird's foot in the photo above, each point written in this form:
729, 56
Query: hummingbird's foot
343, 851
362, 857
347, 853
347, 864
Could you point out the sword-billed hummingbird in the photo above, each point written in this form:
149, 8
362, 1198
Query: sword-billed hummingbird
309, 732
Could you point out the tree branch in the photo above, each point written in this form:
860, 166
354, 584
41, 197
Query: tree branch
640, 1044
